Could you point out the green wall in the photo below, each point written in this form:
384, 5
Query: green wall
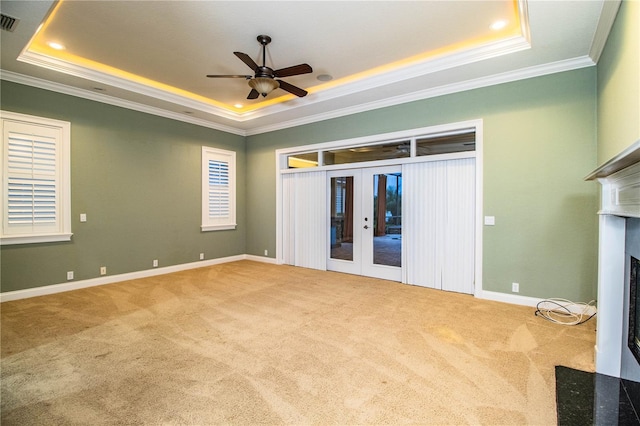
137, 177
539, 143
619, 84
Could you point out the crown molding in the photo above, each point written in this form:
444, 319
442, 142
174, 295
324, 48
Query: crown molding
605, 23
507, 77
76, 70
110, 100
431, 66
521, 74
424, 67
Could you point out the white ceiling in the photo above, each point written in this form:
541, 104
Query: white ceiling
153, 55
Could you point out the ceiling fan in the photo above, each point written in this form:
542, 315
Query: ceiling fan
264, 81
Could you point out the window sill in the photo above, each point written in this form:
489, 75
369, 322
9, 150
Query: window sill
34, 239
206, 228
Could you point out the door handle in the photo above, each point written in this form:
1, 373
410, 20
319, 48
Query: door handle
366, 227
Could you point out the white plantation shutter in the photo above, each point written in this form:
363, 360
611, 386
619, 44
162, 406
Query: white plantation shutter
35, 180
219, 193
31, 164
218, 189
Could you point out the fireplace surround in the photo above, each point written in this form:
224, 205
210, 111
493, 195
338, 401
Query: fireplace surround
633, 339
619, 243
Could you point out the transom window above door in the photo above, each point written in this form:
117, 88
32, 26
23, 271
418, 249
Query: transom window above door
403, 148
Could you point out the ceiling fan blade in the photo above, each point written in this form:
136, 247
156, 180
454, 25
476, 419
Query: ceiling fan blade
294, 70
248, 77
253, 94
292, 89
247, 60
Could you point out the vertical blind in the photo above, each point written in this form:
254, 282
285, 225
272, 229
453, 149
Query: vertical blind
305, 226
438, 216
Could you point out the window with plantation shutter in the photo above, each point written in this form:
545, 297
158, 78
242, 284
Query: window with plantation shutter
218, 189
35, 179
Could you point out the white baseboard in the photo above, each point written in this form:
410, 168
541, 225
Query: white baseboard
514, 299
526, 301
76, 285
261, 259
110, 279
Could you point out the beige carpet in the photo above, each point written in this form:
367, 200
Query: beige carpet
252, 343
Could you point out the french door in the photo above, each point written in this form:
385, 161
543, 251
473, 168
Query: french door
365, 225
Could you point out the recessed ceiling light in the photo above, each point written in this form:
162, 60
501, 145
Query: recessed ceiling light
238, 105
325, 77
55, 45
498, 25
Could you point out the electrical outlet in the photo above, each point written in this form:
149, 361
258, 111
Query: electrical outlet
83, 217
266, 252
69, 275
201, 256
103, 270
155, 263
515, 287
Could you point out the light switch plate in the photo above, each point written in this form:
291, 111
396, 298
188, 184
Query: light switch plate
490, 220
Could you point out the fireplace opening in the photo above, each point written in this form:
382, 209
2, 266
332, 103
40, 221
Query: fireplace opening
634, 309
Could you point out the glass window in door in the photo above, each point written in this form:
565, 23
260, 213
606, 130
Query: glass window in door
342, 218
387, 219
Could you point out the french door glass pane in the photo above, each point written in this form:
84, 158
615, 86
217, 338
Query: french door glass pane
387, 219
342, 218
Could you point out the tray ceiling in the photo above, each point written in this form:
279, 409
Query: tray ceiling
154, 55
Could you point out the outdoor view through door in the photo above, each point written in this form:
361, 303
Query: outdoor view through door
387, 219
384, 221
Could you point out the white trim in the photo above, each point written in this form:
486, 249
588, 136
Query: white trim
93, 282
110, 100
477, 83
63, 173
76, 70
479, 224
255, 258
605, 23
515, 299
76, 285
417, 69
220, 157
208, 228
611, 271
476, 125
436, 130
8, 240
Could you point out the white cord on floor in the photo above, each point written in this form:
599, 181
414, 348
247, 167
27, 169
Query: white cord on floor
565, 312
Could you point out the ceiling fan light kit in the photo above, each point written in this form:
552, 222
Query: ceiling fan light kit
263, 85
264, 80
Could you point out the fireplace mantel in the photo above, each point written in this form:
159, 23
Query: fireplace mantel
620, 179
620, 200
